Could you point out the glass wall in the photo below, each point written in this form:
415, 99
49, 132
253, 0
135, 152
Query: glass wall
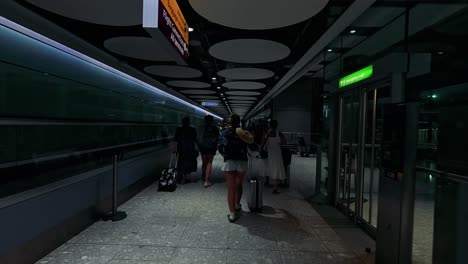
439, 83
420, 48
61, 115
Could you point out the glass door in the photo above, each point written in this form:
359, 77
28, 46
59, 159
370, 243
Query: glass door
371, 165
348, 150
360, 133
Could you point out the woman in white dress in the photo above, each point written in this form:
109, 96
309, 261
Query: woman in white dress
273, 142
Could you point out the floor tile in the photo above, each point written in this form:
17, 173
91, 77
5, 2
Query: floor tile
253, 257
339, 258
199, 256
299, 241
298, 257
146, 253
205, 236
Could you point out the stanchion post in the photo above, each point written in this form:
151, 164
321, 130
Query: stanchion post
115, 215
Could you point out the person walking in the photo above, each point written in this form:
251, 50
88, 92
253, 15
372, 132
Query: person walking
233, 147
273, 142
185, 139
207, 144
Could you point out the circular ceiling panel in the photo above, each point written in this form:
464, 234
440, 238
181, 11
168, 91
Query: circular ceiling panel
188, 84
204, 97
241, 105
258, 14
246, 74
137, 47
242, 93
197, 92
103, 12
173, 71
249, 50
244, 85
241, 98
241, 102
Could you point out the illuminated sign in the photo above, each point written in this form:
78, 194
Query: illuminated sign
209, 104
357, 76
164, 21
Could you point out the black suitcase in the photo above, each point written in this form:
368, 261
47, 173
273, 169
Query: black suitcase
167, 181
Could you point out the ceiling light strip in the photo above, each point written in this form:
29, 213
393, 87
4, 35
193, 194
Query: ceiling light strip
34, 35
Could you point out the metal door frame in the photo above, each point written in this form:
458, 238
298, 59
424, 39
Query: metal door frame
370, 86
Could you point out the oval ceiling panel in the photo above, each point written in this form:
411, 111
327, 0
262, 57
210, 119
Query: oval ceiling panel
249, 51
258, 14
241, 105
197, 92
188, 84
137, 47
204, 97
173, 71
242, 98
246, 74
103, 12
241, 102
242, 93
244, 85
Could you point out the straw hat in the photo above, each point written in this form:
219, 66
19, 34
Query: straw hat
245, 135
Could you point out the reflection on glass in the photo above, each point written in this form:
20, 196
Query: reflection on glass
423, 218
324, 148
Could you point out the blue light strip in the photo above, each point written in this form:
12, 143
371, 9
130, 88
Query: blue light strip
14, 26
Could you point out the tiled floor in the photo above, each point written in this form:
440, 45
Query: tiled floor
190, 226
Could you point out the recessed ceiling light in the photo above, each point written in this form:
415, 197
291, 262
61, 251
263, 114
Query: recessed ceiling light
219, 88
329, 50
221, 94
440, 52
190, 29
214, 78
352, 31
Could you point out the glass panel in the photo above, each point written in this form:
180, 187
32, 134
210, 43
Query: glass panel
423, 218
325, 134
369, 157
62, 115
349, 148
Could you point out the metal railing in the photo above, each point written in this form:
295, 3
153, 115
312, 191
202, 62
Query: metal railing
443, 174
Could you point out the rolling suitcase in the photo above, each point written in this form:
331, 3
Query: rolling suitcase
255, 200
167, 181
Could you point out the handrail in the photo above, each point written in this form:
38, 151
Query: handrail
75, 153
5, 121
449, 175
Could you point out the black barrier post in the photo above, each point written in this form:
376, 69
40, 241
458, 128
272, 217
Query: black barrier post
115, 215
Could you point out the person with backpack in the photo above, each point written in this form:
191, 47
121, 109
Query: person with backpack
233, 147
185, 139
207, 144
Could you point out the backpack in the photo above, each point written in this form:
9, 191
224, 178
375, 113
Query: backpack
234, 148
210, 137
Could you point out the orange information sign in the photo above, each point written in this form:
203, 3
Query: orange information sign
178, 18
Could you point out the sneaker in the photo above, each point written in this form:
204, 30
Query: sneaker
207, 184
232, 219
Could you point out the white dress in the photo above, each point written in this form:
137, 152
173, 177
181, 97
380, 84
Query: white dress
275, 158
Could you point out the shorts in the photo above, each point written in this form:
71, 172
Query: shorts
235, 165
207, 151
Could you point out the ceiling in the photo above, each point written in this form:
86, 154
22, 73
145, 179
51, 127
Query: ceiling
232, 61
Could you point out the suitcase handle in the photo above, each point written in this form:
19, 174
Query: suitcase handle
172, 156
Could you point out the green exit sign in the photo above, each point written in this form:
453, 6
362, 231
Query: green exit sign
357, 76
